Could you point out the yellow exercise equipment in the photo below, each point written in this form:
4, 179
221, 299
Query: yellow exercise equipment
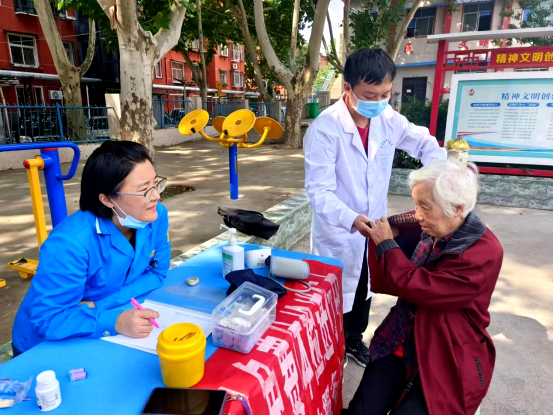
233, 134
25, 266
268, 128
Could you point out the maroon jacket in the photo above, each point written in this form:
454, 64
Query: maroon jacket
452, 293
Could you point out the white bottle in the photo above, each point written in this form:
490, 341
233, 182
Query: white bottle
47, 391
233, 255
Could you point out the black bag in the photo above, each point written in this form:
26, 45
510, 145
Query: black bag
237, 278
249, 222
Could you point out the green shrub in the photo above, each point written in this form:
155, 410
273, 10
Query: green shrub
418, 112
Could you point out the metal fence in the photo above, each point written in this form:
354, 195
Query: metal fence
36, 124
265, 109
169, 112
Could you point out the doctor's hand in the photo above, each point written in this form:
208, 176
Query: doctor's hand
135, 323
380, 230
360, 224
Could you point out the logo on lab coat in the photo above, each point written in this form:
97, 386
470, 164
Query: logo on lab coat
386, 144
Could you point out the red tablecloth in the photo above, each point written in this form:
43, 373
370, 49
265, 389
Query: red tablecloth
297, 366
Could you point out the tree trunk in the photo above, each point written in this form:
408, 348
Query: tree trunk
70, 76
203, 90
202, 68
240, 14
393, 52
345, 22
139, 51
292, 130
71, 84
137, 122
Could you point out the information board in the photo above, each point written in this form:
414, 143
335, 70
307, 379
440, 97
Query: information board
505, 117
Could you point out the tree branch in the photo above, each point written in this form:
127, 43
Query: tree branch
240, 15
317, 30
294, 36
52, 36
91, 48
203, 86
403, 29
193, 68
166, 39
106, 5
282, 72
127, 16
345, 35
329, 27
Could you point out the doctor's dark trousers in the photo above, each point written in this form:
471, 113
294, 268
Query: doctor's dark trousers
357, 320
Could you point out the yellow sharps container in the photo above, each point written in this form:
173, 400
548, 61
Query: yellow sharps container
181, 350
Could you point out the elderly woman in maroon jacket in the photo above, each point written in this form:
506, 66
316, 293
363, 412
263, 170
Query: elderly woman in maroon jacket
432, 353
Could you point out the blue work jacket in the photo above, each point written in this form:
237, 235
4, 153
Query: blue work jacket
87, 258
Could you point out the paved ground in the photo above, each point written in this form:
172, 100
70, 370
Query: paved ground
522, 315
521, 310
267, 176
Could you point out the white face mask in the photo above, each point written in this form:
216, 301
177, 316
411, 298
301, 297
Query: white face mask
128, 221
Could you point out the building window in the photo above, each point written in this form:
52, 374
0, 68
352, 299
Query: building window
177, 71
238, 79
39, 95
422, 23
531, 69
195, 45
223, 50
24, 6
69, 50
27, 7
21, 96
61, 13
236, 52
525, 14
477, 17
157, 70
23, 50
223, 77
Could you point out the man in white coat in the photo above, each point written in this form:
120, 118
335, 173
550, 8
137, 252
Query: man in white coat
349, 151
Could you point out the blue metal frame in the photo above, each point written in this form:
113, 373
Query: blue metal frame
53, 176
233, 170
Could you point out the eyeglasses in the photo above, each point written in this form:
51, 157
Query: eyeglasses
149, 194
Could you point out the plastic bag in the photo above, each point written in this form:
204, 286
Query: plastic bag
12, 391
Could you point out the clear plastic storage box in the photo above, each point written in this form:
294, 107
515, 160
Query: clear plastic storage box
243, 317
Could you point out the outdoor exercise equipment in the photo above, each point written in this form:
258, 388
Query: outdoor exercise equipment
49, 163
233, 134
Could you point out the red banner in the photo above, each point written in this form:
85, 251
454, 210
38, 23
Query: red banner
520, 57
297, 366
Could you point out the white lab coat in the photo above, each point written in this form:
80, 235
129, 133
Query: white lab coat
342, 182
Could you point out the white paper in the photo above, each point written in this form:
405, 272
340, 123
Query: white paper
168, 315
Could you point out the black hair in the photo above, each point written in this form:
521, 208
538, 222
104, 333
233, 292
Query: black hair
105, 171
373, 66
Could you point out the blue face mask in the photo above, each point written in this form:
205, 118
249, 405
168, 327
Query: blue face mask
128, 221
370, 109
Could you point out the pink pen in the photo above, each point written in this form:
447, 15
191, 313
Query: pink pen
135, 303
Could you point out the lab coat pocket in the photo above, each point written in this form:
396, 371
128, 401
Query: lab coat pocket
384, 160
471, 359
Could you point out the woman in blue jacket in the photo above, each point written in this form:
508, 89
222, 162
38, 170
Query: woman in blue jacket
114, 248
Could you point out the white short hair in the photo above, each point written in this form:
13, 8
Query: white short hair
452, 185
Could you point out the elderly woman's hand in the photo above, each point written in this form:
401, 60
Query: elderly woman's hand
380, 230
